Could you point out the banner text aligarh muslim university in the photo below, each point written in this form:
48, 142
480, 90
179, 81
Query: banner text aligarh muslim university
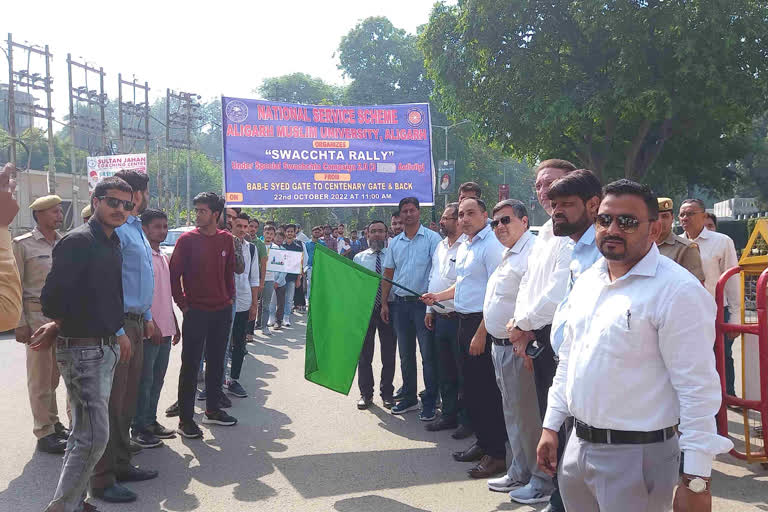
282, 154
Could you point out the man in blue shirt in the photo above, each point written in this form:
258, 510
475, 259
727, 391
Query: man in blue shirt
138, 288
409, 263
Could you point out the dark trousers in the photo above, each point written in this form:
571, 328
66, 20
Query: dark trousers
280, 309
481, 393
388, 349
730, 374
449, 362
298, 296
544, 369
239, 330
203, 331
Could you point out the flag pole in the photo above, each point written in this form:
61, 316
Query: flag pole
409, 290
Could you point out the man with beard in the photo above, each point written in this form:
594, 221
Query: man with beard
373, 259
33, 259
628, 333
678, 249
328, 239
138, 289
574, 199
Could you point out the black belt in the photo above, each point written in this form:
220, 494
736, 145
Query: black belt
504, 342
465, 316
136, 317
607, 436
446, 316
68, 342
407, 298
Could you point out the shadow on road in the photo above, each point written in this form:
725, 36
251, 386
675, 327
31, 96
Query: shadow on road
373, 503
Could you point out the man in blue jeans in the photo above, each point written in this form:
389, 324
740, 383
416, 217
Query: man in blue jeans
409, 262
292, 281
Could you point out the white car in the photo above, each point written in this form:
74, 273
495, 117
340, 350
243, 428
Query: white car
167, 245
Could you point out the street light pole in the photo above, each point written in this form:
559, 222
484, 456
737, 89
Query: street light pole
445, 130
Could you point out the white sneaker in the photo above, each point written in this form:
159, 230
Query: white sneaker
286, 323
271, 323
503, 484
528, 495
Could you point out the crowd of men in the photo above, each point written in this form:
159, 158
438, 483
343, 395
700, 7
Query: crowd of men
569, 355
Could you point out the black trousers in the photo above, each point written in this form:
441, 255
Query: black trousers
481, 393
202, 331
388, 349
239, 330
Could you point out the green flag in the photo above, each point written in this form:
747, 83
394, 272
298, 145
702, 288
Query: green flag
341, 301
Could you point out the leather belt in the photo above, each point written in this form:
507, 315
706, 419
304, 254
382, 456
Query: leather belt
136, 317
68, 342
407, 298
446, 316
503, 342
608, 436
465, 316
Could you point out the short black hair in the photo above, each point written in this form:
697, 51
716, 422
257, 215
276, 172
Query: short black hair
517, 206
317, 227
254, 219
244, 216
270, 223
111, 183
480, 203
581, 183
471, 186
408, 200
151, 214
453, 206
713, 218
211, 200
624, 187
396, 213
139, 181
377, 222
290, 226
697, 202
269, 227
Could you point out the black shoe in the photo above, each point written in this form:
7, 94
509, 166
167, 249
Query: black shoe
134, 447
388, 402
172, 410
225, 402
364, 402
134, 474
160, 431
189, 430
442, 423
61, 431
219, 418
471, 454
462, 432
52, 443
399, 395
147, 439
115, 494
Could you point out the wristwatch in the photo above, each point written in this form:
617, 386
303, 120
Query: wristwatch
696, 484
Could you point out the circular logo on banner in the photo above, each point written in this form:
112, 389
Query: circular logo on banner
237, 111
415, 117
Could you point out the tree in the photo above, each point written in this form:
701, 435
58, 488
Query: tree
300, 88
640, 89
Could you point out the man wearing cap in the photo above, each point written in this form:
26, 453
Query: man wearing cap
678, 249
33, 253
86, 214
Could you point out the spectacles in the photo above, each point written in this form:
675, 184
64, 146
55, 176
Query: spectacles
114, 202
627, 223
504, 220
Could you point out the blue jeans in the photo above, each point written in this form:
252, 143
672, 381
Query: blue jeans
290, 290
87, 373
408, 320
152, 378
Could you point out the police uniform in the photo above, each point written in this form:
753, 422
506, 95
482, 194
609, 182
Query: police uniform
678, 249
33, 253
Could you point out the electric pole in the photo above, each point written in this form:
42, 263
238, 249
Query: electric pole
82, 96
181, 118
134, 111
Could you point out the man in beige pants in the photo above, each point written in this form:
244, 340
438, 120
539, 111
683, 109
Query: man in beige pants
33, 259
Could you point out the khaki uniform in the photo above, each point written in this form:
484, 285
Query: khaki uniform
34, 260
683, 252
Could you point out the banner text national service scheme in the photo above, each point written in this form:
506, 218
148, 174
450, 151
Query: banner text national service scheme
284, 155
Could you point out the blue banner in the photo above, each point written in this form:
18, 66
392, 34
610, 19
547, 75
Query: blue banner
291, 155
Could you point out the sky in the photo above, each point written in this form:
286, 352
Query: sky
211, 48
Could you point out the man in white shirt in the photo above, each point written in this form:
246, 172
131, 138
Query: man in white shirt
632, 365
445, 324
373, 259
476, 259
246, 304
717, 255
516, 384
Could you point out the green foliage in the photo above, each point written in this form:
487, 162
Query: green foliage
646, 90
300, 88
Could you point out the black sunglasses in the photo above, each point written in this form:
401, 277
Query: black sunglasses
627, 223
504, 220
114, 202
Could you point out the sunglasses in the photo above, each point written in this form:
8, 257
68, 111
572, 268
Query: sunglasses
627, 223
504, 220
114, 202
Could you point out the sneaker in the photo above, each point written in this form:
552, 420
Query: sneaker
404, 406
236, 389
427, 413
172, 411
160, 431
203, 395
266, 332
219, 418
287, 322
61, 431
271, 322
190, 430
398, 395
504, 484
277, 326
225, 402
147, 439
528, 495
